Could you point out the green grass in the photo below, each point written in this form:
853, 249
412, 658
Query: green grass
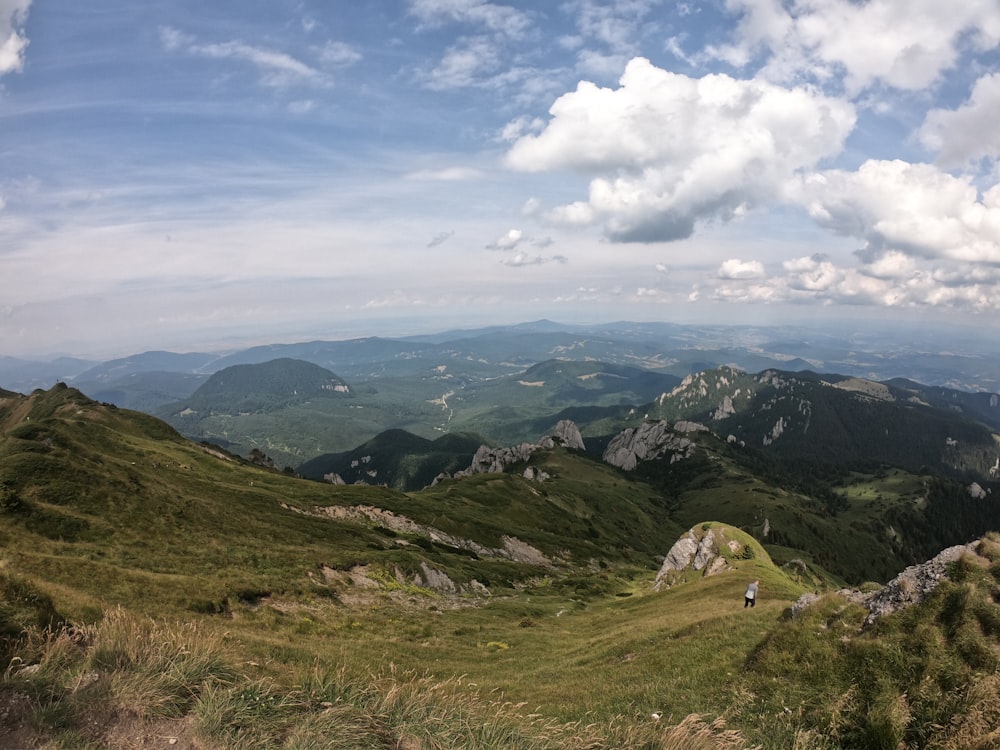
205, 590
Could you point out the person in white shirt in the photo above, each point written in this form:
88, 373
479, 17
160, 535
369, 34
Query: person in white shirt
750, 597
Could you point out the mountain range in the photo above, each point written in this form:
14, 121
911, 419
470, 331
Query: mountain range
527, 526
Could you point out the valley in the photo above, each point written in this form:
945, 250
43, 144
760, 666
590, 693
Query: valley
493, 562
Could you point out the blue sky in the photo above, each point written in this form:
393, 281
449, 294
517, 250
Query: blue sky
185, 175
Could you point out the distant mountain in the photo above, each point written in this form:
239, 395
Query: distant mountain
156, 361
835, 419
144, 391
265, 387
353, 355
24, 376
982, 406
395, 458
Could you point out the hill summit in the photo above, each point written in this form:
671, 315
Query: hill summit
259, 388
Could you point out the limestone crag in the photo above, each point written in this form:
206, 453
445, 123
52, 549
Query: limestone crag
496, 460
651, 441
914, 584
696, 554
910, 587
513, 548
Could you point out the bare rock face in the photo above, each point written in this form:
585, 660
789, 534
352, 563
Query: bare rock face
693, 554
650, 441
496, 460
910, 587
914, 584
567, 433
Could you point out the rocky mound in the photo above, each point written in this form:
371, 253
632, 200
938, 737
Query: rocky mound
704, 550
651, 441
910, 587
496, 460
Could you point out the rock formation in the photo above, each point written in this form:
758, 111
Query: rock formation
910, 587
693, 553
650, 441
496, 460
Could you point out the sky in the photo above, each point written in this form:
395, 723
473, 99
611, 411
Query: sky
187, 175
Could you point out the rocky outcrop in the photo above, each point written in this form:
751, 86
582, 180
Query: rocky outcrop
914, 584
976, 491
513, 548
565, 433
910, 587
700, 550
496, 460
651, 441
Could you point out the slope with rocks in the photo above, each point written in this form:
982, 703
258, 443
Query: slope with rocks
829, 419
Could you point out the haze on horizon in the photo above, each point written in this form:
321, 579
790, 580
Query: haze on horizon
178, 175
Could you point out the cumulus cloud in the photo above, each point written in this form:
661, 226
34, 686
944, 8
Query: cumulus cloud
13, 42
519, 127
277, 69
969, 132
916, 209
735, 268
887, 280
507, 241
666, 150
905, 44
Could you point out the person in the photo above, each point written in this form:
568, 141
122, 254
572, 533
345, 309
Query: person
750, 597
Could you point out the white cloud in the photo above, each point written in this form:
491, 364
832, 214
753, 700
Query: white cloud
915, 209
667, 150
446, 174
277, 69
522, 259
906, 44
464, 64
596, 64
507, 241
891, 280
302, 106
969, 132
339, 54
13, 42
734, 268
615, 24
502, 19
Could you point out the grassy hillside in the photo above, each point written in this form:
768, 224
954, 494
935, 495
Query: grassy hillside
227, 606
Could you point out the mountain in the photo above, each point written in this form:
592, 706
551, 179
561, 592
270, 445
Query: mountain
144, 391
265, 387
395, 458
153, 361
26, 375
189, 595
239, 408
834, 419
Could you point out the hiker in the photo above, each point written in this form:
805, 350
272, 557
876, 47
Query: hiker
750, 597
